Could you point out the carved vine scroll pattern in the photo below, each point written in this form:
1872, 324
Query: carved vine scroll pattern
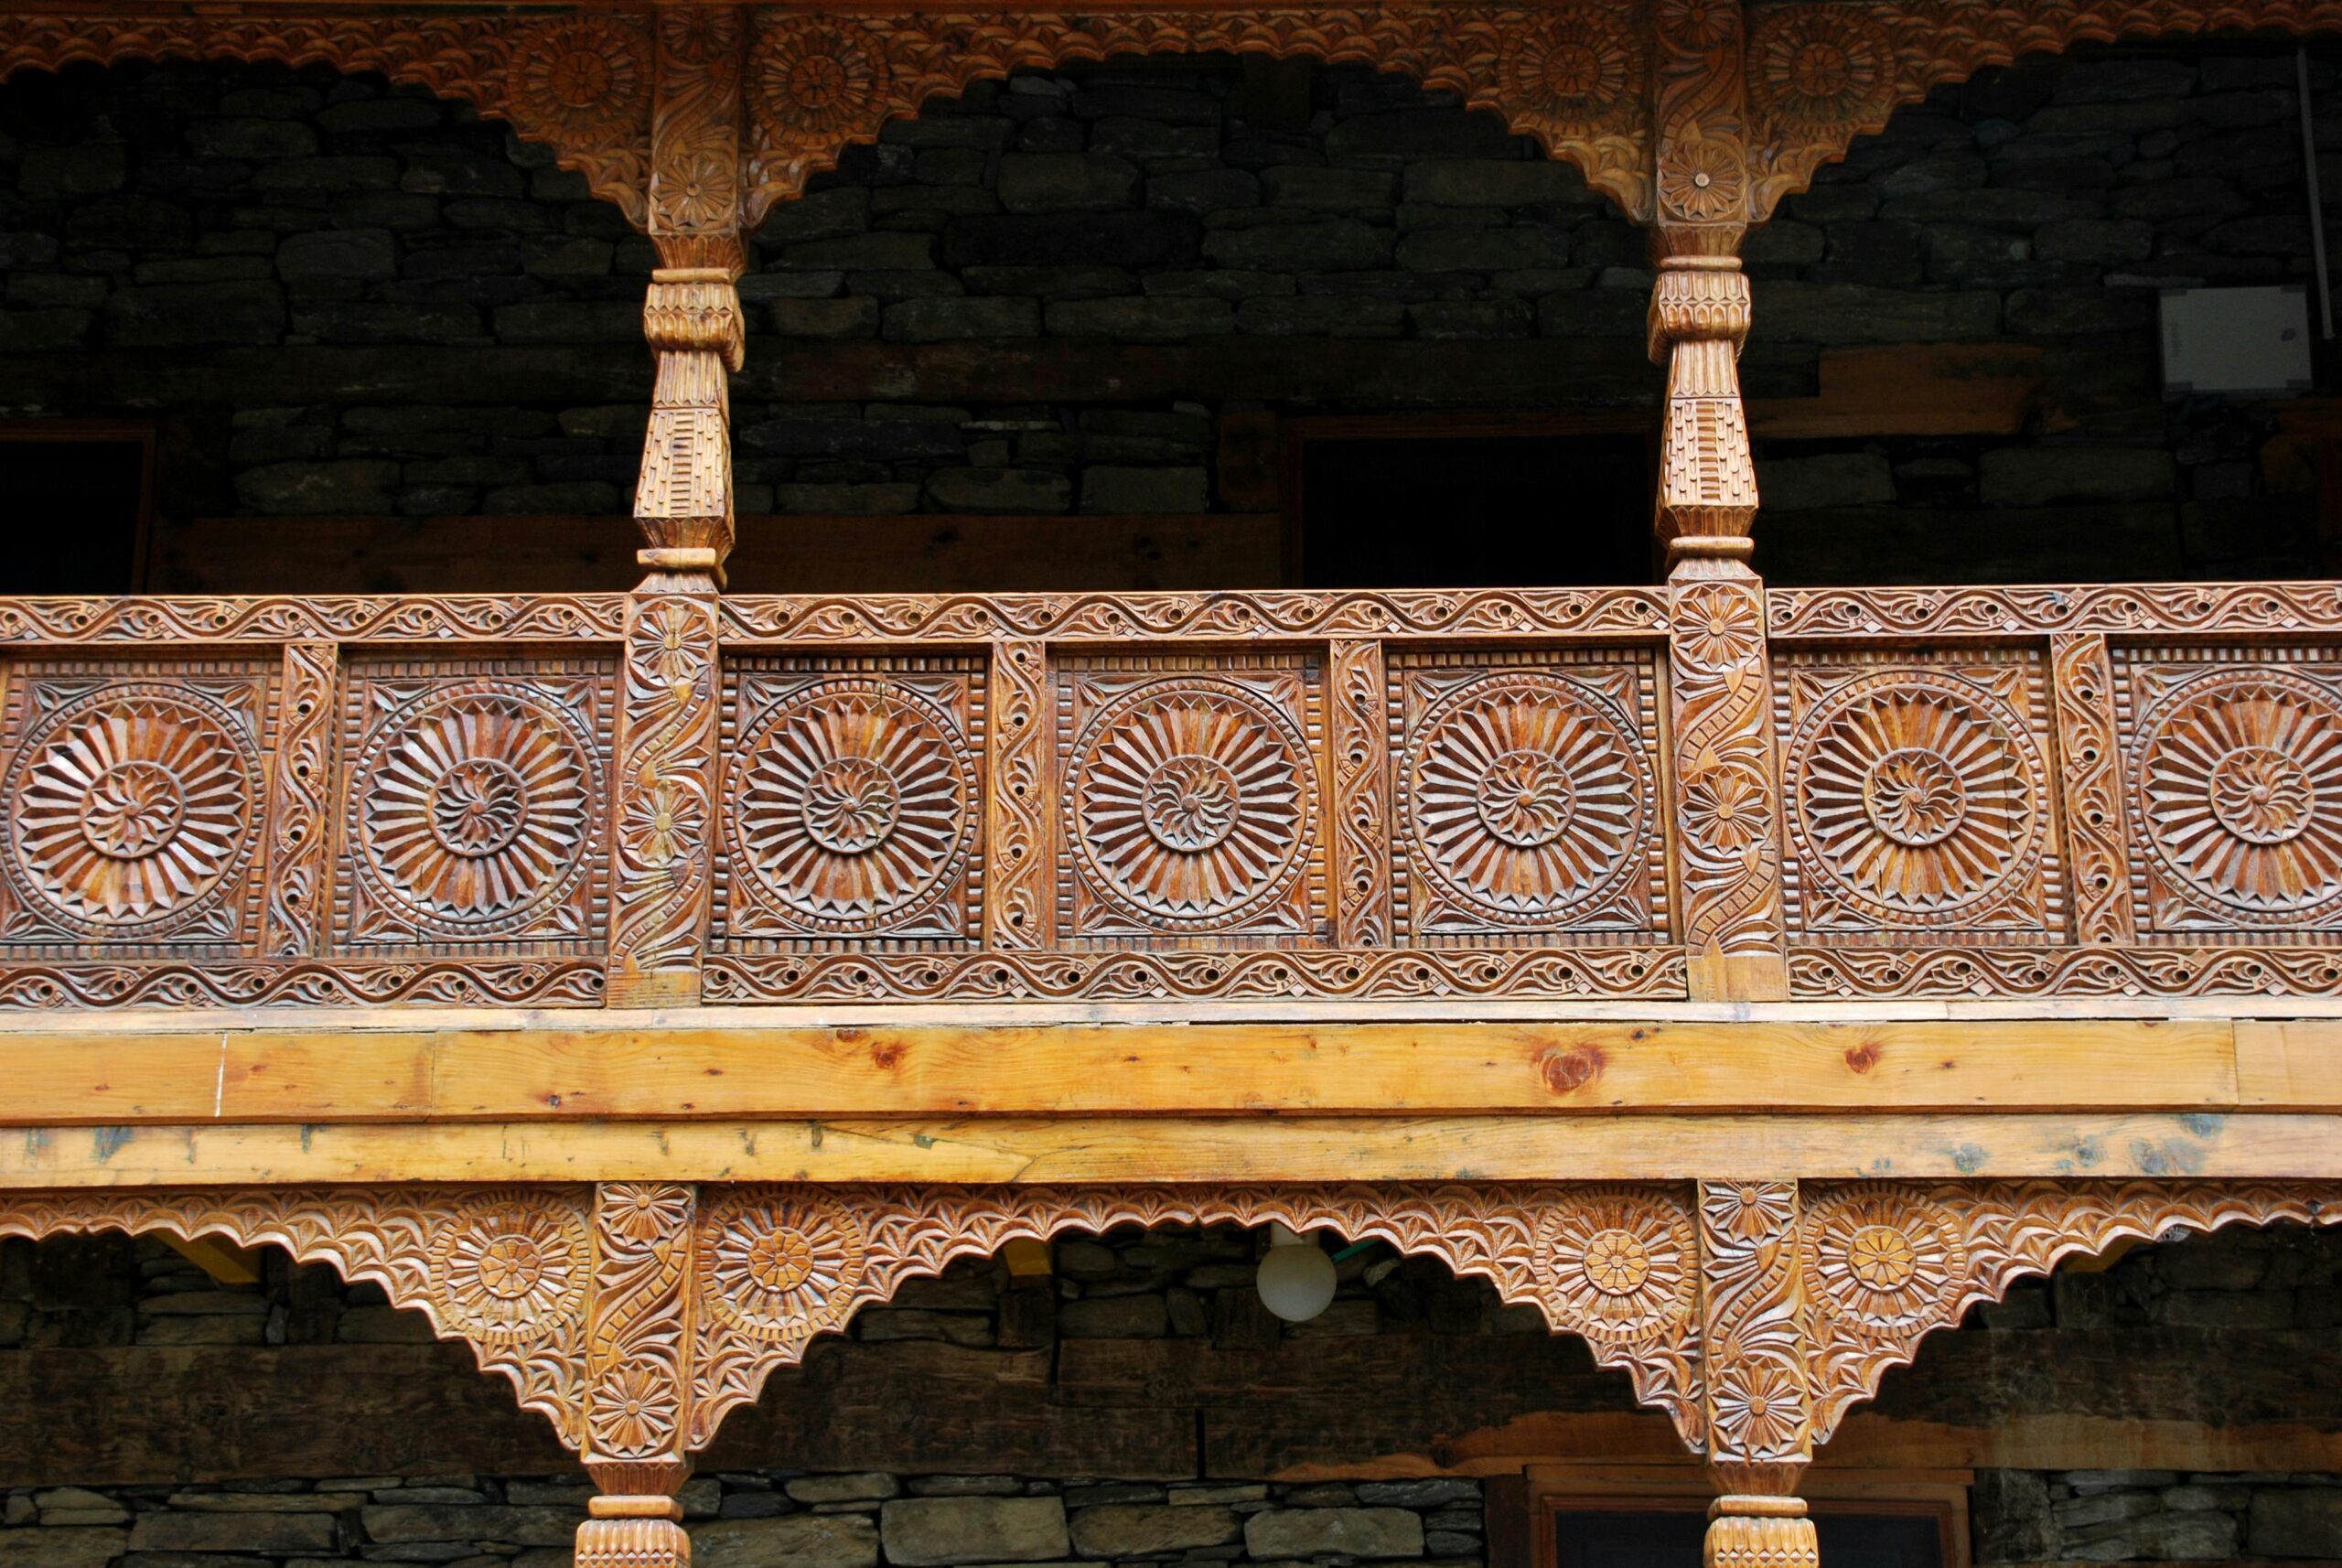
506, 1268
778, 1265
661, 886
1886, 1263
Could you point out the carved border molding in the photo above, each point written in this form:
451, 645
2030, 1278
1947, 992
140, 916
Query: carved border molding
1233, 973
1629, 612
502, 618
1868, 972
442, 982
2117, 610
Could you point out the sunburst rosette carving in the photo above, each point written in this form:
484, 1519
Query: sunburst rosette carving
781, 1268
477, 812
1816, 67
1190, 805
1916, 802
2237, 790
1882, 1259
582, 79
1627, 1263
1581, 65
132, 814
507, 1268
852, 811
812, 81
1527, 803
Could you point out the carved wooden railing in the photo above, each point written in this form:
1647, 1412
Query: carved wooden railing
664, 797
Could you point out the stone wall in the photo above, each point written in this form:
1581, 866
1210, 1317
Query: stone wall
1173, 1285
1048, 296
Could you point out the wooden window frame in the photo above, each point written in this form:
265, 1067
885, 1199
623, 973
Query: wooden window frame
145, 435
1294, 433
1525, 1511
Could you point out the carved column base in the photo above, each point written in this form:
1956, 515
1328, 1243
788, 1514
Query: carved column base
1746, 1531
637, 1522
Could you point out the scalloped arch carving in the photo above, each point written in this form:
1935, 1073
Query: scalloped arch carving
582, 84
1821, 73
1617, 1265
1572, 76
506, 1268
1887, 1263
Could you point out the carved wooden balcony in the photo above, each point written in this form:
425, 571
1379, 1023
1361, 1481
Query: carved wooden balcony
1403, 796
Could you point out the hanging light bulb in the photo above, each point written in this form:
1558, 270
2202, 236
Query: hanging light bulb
1297, 1279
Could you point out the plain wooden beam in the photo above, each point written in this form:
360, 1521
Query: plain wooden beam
1161, 1149
560, 1069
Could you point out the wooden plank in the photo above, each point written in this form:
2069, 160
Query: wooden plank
1910, 389
2288, 1065
1193, 1149
776, 555
558, 1069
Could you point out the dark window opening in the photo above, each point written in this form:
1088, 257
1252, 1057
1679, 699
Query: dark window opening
76, 503
1527, 510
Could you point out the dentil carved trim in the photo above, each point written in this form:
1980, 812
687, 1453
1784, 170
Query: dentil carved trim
506, 1268
1886, 1263
778, 1265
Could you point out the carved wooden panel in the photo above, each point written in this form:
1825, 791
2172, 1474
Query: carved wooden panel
1189, 799
665, 768
300, 805
852, 802
1018, 828
2233, 761
1360, 777
2089, 776
1916, 795
1726, 777
1527, 800
1752, 1299
135, 793
476, 804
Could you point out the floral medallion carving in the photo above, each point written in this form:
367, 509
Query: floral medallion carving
132, 811
1699, 24
1584, 63
510, 1266
1526, 798
1627, 1262
853, 806
583, 78
1916, 798
781, 1268
2237, 790
810, 80
477, 809
1884, 1258
1812, 66
1702, 178
1190, 805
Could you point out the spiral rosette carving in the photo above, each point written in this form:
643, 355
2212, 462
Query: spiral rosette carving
1627, 1262
1191, 803
853, 806
475, 805
1527, 800
132, 812
1914, 800
781, 1268
509, 1267
2238, 793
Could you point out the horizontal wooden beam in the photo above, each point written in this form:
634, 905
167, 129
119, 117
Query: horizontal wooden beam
1172, 1149
554, 1068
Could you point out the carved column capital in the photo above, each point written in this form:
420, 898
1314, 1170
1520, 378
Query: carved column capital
695, 310
1702, 299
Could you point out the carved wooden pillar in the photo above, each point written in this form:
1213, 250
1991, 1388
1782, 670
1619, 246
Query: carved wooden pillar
638, 1345
1757, 1373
